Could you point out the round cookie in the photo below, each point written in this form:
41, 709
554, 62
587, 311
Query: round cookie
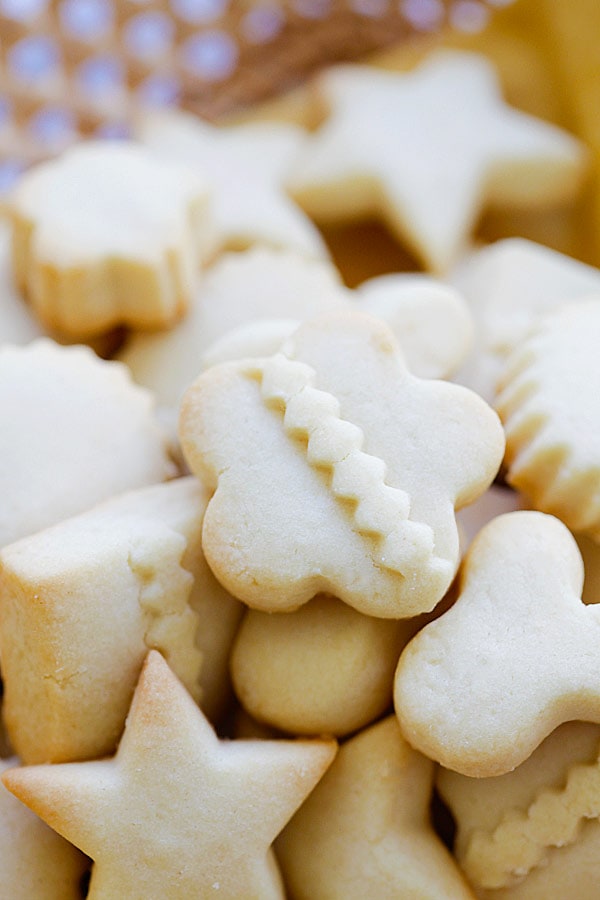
323, 669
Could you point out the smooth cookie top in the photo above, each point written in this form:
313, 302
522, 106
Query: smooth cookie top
335, 470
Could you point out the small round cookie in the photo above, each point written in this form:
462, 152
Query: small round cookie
431, 320
107, 235
365, 829
549, 403
75, 431
524, 834
323, 669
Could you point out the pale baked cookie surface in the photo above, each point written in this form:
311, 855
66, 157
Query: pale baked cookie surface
35, 862
365, 829
425, 150
249, 303
17, 323
480, 688
240, 288
75, 431
549, 402
342, 473
177, 813
83, 602
246, 167
532, 832
107, 235
323, 669
509, 286
431, 322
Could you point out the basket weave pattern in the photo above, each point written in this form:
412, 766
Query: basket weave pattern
73, 67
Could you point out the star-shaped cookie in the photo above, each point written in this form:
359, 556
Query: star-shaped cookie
425, 150
35, 862
177, 813
107, 235
245, 167
365, 830
335, 470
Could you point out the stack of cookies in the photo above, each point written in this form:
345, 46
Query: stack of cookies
316, 568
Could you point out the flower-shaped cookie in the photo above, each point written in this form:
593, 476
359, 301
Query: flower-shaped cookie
517, 654
107, 235
177, 813
335, 470
533, 832
248, 303
550, 406
75, 431
509, 286
82, 602
365, 830
245, 167
425, 149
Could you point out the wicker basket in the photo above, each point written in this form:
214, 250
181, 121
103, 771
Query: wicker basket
73, 67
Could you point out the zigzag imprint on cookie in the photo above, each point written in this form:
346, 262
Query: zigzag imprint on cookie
552, 820
333, 444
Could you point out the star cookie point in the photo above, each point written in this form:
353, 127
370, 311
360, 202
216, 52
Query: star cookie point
177, 811
426, 149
